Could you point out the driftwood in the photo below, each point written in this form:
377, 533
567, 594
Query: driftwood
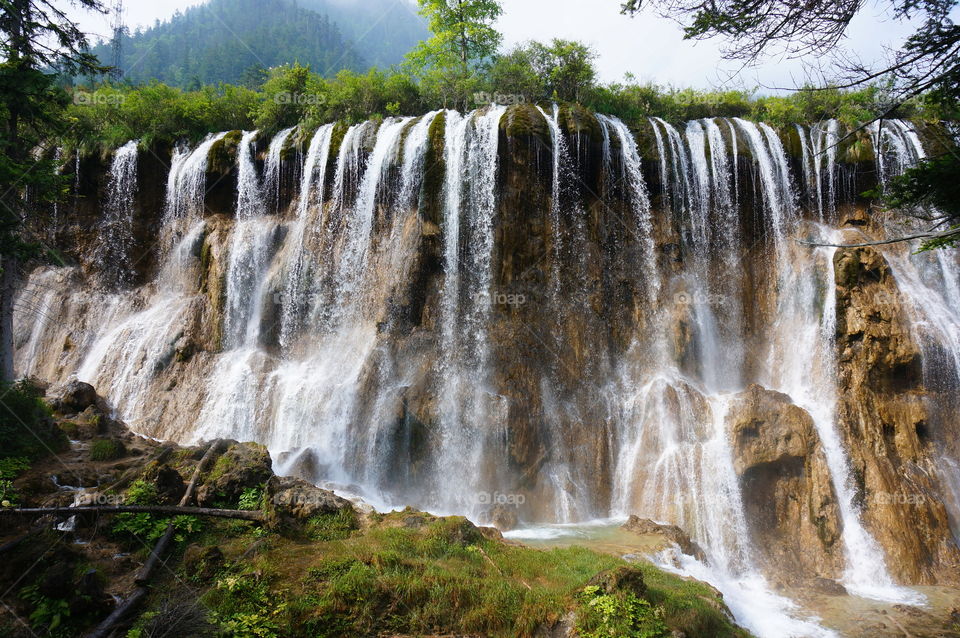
167, 510
946, 234
126, 610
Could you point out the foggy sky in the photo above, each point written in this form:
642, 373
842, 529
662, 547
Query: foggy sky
649, 47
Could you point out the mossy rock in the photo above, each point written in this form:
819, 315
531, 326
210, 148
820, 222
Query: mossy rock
626, 579
455, 530
577, 120
223, 153
431, 190
525, 121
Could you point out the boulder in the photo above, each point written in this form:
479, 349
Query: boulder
292, 501
671, 534
624, 579
787, 490
503, 517
75, 396
170, 485
242, 466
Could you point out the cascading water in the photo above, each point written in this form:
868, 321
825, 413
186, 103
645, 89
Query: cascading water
116, 239
355, 333
273, 164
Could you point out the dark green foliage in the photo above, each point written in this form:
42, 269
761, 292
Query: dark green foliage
618, 615
142, 530
930, 191
26, 428
106, 450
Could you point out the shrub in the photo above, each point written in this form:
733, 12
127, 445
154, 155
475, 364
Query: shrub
26, 429
106, 450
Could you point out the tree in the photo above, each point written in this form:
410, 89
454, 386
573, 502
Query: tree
566, 67
927, 67
461, 48
36, 36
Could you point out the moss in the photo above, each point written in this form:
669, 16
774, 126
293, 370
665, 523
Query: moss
336, 138
106, 450
525, 120
222, 466
574, 119
435, 170
223, 153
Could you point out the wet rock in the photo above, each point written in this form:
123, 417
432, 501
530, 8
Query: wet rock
291, 501
504, 517
884, 414
829, 586
75, 396
670, 533
790, 505
242, 466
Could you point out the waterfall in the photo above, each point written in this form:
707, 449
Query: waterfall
825, 138
470, 198
354, 329
272, 166
186, 186
116, 235
357, 227
632, 175
300, 265
414, 153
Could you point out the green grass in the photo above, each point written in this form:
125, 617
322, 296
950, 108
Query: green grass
442, 578
106, 450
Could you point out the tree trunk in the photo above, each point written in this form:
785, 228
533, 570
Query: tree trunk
8, 289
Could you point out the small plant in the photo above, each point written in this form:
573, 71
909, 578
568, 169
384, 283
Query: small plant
147, 527
11, 468
622, 615
49, 614
251, 498
106, 450
8, 494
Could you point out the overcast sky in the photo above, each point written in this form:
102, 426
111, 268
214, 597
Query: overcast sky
649, 47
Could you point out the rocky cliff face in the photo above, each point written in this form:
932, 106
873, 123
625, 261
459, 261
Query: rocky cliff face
885, 421
539, 311
788, 495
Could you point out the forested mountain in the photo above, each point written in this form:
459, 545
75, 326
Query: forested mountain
382, 30
229, 40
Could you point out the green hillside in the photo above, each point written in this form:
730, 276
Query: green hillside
229, 40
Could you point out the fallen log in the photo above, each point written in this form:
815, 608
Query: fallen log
127, 610
167, 510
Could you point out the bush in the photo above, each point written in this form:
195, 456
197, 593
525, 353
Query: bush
26, 429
